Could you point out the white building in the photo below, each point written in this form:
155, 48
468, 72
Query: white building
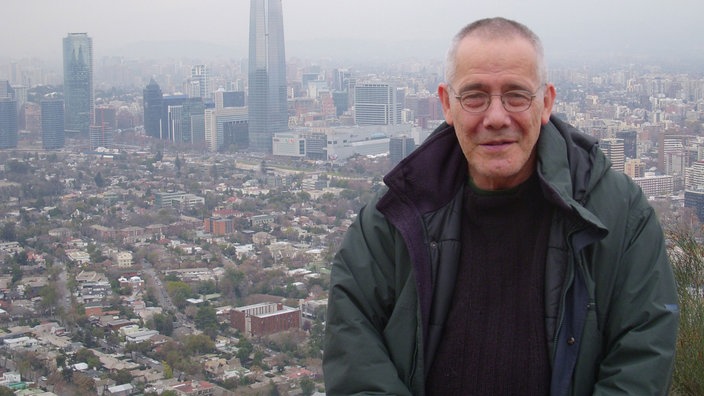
123, 259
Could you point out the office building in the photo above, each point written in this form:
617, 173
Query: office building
377, 104
100, 136
613, 148
695, 176
52, 124
289, 144
268, 108
219, 225
226, 129
630, 143
656, 186
695, 199
153, 109
79, 99
199, 76
168, 101
340, 79
400, 147
8, 123
6, 90
264, 319
634, 168
224, 99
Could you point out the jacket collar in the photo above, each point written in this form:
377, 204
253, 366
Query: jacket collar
569, 165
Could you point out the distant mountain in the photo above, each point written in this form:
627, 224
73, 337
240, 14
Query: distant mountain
177, 49
354, 50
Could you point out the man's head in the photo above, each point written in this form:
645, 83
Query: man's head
497, 97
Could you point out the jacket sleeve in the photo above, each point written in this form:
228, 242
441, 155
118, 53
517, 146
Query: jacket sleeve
640, 323
356, 358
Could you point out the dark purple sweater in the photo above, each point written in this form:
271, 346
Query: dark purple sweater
494, 337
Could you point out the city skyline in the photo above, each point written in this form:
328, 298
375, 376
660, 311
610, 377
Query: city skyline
361, 28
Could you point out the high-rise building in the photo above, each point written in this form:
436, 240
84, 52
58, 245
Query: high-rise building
399, 148
630, 143
199, 74
100, 136
8, 123
153, 109
226, 128
224, 99
341, 79
377, 104
268, 108
613, 148
634, 168
6, 90
102, 130
79, 99
52, 124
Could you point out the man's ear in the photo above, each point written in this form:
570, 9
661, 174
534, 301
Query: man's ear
548, 102
445, 98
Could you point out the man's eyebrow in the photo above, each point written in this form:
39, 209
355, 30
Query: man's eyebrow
472, 87
484, 88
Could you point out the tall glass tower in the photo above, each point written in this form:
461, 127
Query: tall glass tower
52, 123
8, 123
153, 109
268, 109
79, 98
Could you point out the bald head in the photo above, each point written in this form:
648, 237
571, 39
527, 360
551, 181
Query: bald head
495, 29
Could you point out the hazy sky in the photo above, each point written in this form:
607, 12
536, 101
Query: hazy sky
36, 27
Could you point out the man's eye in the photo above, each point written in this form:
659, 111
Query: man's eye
516, 97
474, 99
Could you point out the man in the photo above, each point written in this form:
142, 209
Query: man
505, 257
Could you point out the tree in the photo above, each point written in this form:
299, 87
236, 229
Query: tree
178, 163
122, 377
179, 292
274, 390
99, 181
207, 287
687, 258
245, 349
163, 323
9, 233
207, 319
307, 386
168, 371
198, 344
316, 340
5, 391
88, 356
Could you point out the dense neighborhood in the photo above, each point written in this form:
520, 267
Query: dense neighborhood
148, 270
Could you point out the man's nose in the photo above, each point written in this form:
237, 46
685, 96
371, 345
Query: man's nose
496, 116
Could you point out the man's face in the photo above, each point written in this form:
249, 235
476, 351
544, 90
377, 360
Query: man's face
499, 145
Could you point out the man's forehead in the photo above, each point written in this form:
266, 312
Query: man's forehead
508, 57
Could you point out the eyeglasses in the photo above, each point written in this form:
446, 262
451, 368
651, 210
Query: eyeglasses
479, 101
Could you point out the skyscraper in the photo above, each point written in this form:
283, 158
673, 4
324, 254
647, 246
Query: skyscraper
8, 123
79, 98
199, 74
153, 109
377, 104
101, 131
400, 147
613, 148
52, 124
268, 108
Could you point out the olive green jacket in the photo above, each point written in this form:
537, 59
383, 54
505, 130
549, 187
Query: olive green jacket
611, 303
